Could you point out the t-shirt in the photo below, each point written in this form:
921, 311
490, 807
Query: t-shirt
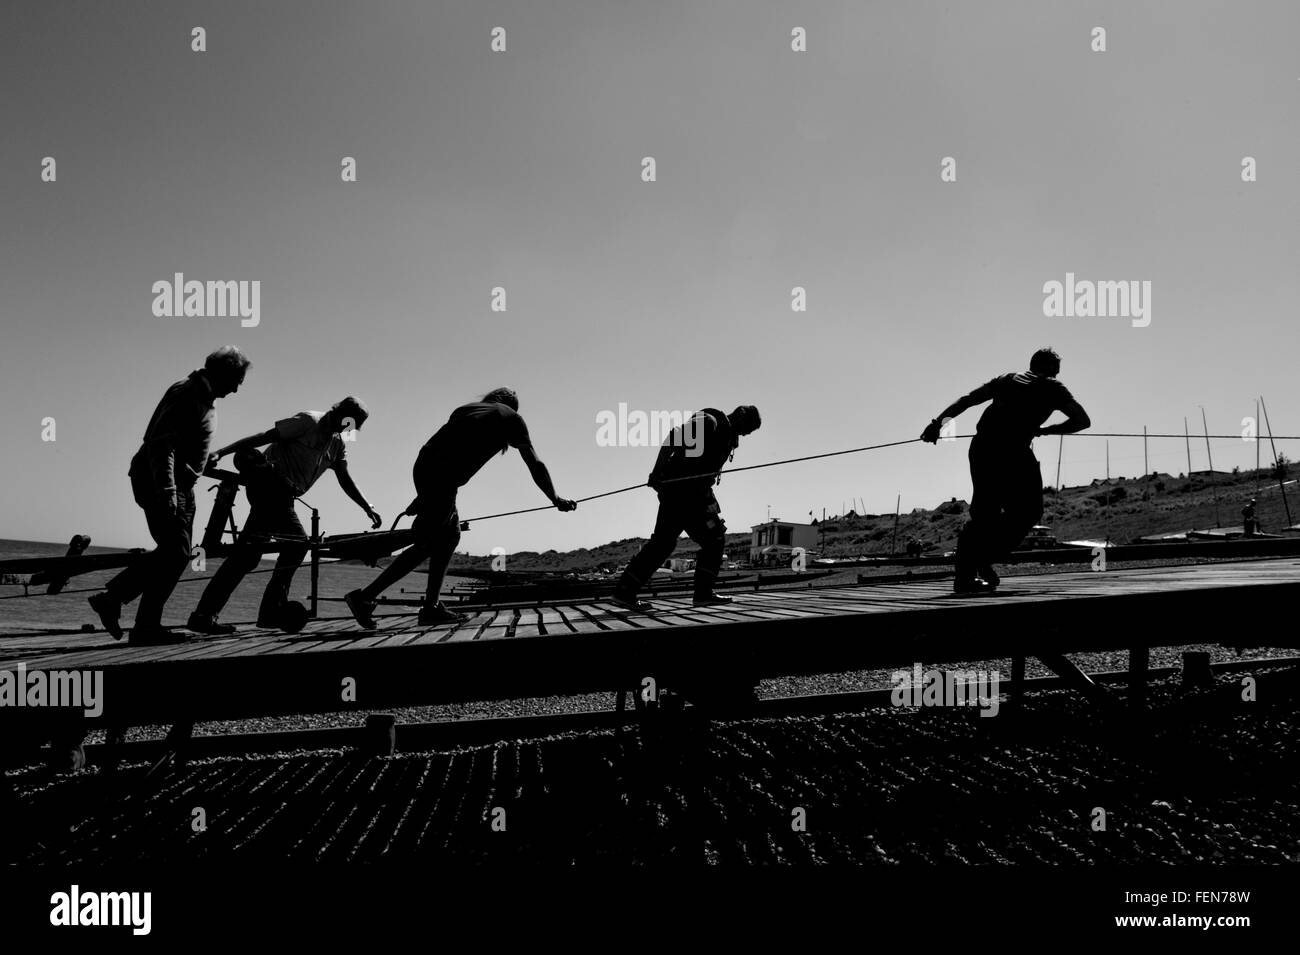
701, 445
302, 450
176, 440
472, 435
1022, 401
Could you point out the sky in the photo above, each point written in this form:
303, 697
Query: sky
522, 169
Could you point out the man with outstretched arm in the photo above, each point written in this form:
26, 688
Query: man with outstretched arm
683, 477
299, 449
163, 472
471, 437
1007, 482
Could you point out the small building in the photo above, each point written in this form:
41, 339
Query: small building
780, 534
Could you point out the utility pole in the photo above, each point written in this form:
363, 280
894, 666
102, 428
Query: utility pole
1187, 438
1107, 460
1217, 521
893, 545
1281, 485
1146, 463
1059, 448
1257, 447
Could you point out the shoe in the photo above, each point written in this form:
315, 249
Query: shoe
362, 609
438, 614
156, 637
264, 623
109, 611
206, 623
627, 600
971, 588
989, 575
712, 599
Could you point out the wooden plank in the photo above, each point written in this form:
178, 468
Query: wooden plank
577, 621
551, 622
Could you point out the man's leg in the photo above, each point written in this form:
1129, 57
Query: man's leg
131, 582
281, 519
242, 559
443, 541
172, 532
403, 564
663, 541
708, 529
1024, 505
985, 509
436, 507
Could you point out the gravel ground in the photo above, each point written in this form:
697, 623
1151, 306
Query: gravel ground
1204, 778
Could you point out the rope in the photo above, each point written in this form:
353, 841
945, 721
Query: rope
700, 477
831, 454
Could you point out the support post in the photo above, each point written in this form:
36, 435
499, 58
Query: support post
315, 559
1218, 520
1281, 484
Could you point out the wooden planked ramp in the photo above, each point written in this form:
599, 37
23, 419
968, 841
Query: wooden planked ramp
593, 645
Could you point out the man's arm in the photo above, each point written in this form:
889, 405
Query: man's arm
178, 416
351, 490
667, 452
252, 441
977, 397
542, 477
1076, 419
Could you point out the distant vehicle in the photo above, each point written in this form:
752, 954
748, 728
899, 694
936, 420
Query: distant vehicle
1040, 536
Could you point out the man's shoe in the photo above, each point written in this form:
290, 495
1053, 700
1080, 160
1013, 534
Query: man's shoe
712, 600
438, 614
362, 609
989, 575
109, 611
627, 600
971, 588
206, 623
156, 637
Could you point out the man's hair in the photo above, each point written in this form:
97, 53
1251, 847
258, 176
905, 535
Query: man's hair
1045, 362
227, 361
350, 407
505, 396
749, 412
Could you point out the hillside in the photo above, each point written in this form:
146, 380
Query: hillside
1124, 509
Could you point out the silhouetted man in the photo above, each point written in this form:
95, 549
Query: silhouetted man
1248, 522
299, 450
683, 476
472, 435
172, 456
1007, 496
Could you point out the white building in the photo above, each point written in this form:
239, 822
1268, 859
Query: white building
775, 540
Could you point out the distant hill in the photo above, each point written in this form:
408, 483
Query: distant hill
1124, 509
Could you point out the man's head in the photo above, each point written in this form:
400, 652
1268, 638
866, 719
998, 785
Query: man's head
504, 396
1046, 363
745, 419
348, 414
225, 369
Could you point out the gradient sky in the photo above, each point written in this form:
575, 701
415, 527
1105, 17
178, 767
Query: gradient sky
522, 169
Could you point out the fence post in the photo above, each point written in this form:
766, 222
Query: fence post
315, 558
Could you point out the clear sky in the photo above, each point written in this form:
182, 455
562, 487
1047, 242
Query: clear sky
522, 169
